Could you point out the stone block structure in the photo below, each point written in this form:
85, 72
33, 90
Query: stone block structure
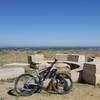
36, 58
76, 58
71, 57
62, 57
91, 73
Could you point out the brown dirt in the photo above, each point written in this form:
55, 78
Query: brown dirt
80, 92
4, 88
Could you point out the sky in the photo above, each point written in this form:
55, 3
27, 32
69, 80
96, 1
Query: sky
49, 23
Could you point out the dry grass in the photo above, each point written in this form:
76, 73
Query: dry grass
21, 55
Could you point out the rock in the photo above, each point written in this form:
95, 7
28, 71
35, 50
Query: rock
43, 65
62, 57
76, 75
71, 57
96, 59
93, 59
13, 65
90, 58
93, 79
7, 73
27, 67
61, 67
46, 84
91, 68
37, 58
91, 73
76, 58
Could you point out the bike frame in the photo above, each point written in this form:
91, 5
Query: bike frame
41, 80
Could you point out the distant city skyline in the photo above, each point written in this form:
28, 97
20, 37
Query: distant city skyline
25, 23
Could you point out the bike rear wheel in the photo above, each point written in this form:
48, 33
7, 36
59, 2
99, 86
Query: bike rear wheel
62, 83
26, 85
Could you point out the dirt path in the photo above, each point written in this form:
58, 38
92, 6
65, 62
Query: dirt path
4, 89
80, 92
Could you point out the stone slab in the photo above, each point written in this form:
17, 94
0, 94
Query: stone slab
36, 58
7, 73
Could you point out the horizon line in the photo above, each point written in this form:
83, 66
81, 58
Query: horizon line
41, 46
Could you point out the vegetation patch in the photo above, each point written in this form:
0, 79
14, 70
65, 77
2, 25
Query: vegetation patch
8, 80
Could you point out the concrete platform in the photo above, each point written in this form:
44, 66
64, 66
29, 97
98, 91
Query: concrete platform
12, 72
15, 65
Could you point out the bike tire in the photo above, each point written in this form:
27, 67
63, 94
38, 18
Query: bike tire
56, 80
30, 88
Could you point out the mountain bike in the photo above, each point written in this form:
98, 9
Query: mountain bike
27, 84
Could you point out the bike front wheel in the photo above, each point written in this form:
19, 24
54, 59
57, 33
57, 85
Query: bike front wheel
26, 85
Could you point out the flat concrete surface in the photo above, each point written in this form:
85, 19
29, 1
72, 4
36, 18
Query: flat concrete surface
12, 72
15, 65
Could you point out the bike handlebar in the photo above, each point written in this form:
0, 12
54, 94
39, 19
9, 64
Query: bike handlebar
54, 62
